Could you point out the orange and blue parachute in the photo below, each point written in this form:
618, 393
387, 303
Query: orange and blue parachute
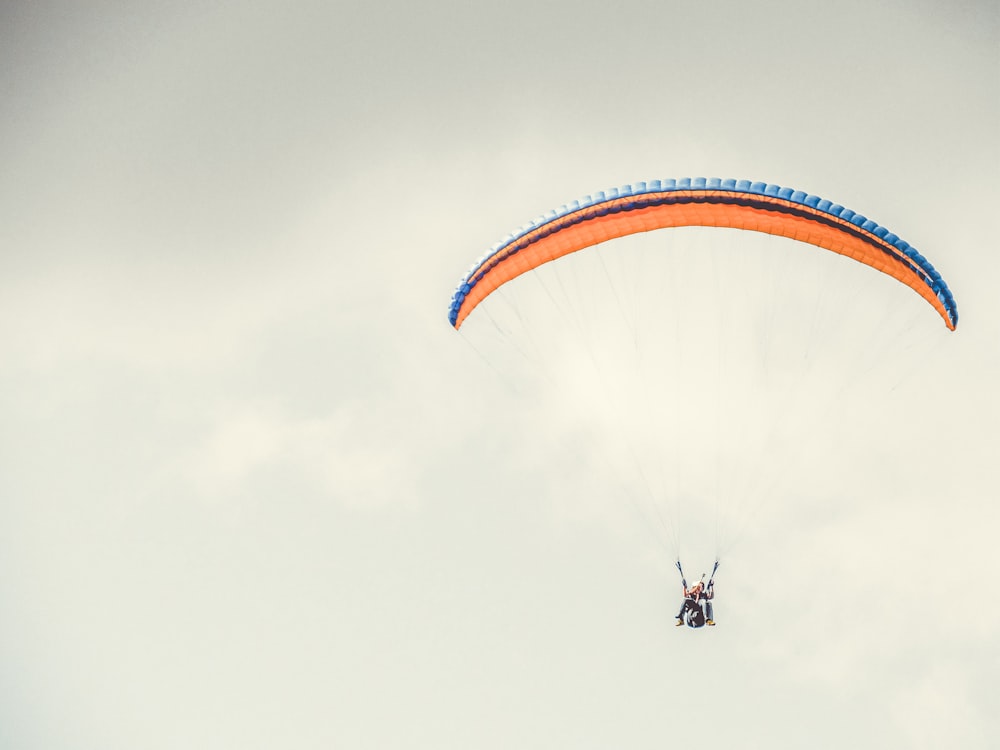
712, 202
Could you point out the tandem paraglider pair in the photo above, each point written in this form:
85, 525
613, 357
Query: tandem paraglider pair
696, 611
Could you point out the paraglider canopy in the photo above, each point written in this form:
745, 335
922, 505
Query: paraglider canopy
738, 204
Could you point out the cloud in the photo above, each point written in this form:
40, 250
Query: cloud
939, 708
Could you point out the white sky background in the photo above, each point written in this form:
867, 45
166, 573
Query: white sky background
255, 491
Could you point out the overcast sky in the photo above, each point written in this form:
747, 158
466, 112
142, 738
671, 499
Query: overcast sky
255, 492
